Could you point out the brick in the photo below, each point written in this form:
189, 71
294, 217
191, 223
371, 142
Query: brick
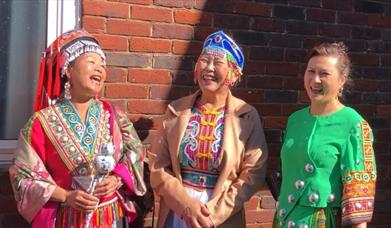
200, 33
275, 122
365, 59
150, 76
248, 95
176, 62
173, 31
268, 202
264, 82
284, 40
184, 78
94, 24
175, 3
294, 83
309, 43
108, 9
254, 67
268, 109
268, 25
356, 45
334, 30
125, 91
313, 3
321, 15
259, 216
112, 42
120, 104
353, 98
338, 5
365, 85
352, 18
376, 98
379, 21
151, 14
272, 96
286, 69
267, 53
132, 28
231, 21
186, 47
144, 122
140, 2
377, 46
288, 109
386, 34
147, 106
251, 8
249, 38
295, 55
303, 97
386, 60
383, 110
168, 92
366, 33
301, 28
192, 17
376, 72
128, 59
116, 74
225, 6
150, 45
252, 203
288, 12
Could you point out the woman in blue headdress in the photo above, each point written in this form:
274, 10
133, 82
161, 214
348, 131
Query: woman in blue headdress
210, 153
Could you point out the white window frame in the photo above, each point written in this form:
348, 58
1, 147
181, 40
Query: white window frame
63, 15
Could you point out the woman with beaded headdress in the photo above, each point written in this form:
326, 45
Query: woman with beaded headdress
209, 155
328, 163
60, 148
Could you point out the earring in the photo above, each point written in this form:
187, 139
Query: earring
67, 90
340, 91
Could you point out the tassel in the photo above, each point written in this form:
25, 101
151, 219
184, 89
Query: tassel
41, 78
57, 78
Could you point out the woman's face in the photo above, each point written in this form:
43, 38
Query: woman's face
211, 72
322, 79
86, 75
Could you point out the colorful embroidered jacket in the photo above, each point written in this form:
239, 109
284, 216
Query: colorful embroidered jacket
55, 145
328, 161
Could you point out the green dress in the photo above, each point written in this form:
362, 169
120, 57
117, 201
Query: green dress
327, 164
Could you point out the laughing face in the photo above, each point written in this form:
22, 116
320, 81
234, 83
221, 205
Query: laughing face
86, 75
211, 72
323, 79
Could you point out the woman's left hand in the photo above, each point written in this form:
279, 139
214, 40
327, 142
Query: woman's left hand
107, 187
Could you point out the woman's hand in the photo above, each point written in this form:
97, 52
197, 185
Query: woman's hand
197, 216
81, 201
107, 187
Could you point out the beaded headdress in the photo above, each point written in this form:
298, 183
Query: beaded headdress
218, 42
56, 59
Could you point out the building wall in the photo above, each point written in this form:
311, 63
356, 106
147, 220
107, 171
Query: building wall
152, 46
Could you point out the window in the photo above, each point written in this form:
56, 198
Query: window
27, 27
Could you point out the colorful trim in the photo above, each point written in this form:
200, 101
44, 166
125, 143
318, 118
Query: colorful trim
199, 179
359, 186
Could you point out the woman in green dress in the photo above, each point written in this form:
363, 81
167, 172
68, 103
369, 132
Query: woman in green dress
328, 164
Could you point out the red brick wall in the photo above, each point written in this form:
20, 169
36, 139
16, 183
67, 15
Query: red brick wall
152, 46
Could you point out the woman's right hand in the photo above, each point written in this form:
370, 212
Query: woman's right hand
197, 215
81, 200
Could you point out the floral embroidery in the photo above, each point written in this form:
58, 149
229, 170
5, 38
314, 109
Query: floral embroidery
359, 186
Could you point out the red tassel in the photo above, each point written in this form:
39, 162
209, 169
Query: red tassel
49, 77
57, 79
38, 101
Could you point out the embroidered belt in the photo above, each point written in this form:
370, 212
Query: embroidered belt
199, 179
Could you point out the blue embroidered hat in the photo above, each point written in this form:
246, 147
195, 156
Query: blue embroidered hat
220, 40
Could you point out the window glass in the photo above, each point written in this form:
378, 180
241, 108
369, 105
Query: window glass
22, 39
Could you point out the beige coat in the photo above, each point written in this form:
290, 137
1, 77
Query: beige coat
242, 162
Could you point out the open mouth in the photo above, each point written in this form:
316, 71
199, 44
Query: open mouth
96, 79
209, 78
318, 89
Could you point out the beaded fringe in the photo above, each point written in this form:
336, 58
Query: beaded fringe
105, 216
